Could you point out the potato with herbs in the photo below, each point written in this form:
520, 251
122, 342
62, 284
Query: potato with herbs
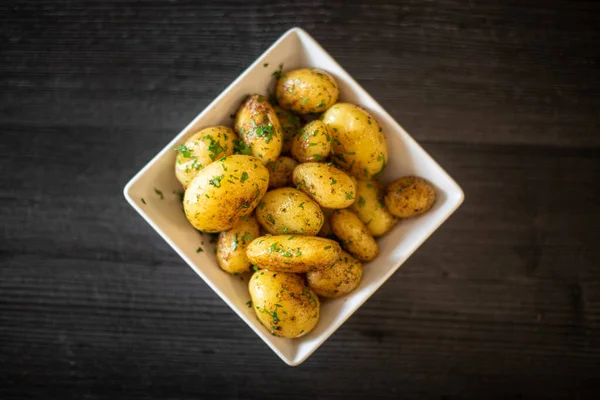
224, 191
201, 149
326, 231
409, 196
306, 91
290, 124
341, 278
288, 210
297, 254
283, 303
231, 246
370, 208
329, 186
281, 171
312, 143
258, 125
354, 235
359, 145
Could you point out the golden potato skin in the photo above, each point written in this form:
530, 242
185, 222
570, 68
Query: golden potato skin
258, 125
201, 149
409, 196
326, 231
341, 278
329, 186
359, 145
281, 171
232, 244
288, 210
370, 208
224, 191
354, 235
312, 143
306, 91
289, 253
283, 303
290, 124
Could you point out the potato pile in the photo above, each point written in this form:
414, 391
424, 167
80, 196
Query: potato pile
295, 199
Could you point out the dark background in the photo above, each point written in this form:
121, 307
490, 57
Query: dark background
502, 302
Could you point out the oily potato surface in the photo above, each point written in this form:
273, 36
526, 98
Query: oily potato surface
288, 210
409, 196
370, 208
231, 245
312, 143
201, 149
283, 303
359, 145
306, 91
290, 124
291, 253
281, 171
339, 279
354, 235
329, 186
224, 191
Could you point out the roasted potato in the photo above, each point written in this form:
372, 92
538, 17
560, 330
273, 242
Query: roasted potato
409, 196
370, 208
359, 144
306, 91
354, 235
339, 279
326, 231
201, 149
280, 172
312, 143
258, 125
330, 187
231, 246
288, 210
290, 124
224, 191
283, 303
293, 253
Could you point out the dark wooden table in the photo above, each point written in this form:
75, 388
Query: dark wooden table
502, 302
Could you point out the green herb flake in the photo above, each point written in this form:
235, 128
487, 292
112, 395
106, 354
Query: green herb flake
265, 65
199, 250
361, 201
143, 201
333, 181
216, 181
184, 151
321, 104
271, 219
239, 147
249, 303
159, 193
349, 196
244, 177
304, 100
326, 247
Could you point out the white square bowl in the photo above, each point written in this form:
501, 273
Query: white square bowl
294, 49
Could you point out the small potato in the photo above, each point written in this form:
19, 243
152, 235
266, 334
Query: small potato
312, 143
337, 280
283, 303
225, 191
359, 145
370, 208
330, 187
258, 125
288, 210
293, 253
354, 235
326, 231
231, 246
290, 124
409, 196
280, 172
305, 91
201, 149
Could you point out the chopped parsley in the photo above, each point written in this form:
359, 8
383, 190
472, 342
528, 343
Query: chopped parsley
143, 201
333, 181
361, 201
184, 151
235, 242
349, 196
249, 303
304, 100
159, 193
271, 219
216, 181
265, 65
199, 250
265, 131
326, 247
244, 177
239, 147
320, 105
318, 157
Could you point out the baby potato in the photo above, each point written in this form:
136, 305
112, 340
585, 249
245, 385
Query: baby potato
359, 144
288, 210
370, 208
201, 149
330, 187
258, 125
224, 191
341, 278
290, 124
293, 253
326, 231
409, 196
280, 172
305, 91
312, 143
231, 246
283, 303
354, 235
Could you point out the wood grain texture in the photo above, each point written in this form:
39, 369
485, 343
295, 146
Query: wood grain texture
502, 302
